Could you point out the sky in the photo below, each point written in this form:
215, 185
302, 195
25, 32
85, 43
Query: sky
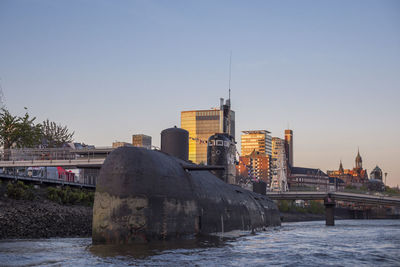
328, 70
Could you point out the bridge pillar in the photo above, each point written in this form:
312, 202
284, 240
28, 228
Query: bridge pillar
329, 211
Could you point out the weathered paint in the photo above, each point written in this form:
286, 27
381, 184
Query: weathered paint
145, 195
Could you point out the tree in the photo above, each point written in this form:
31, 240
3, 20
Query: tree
18, 131
29, 133
8, 128
54, 135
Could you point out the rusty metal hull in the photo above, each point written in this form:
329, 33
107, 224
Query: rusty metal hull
145, 195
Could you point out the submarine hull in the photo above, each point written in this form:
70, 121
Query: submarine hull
143, 195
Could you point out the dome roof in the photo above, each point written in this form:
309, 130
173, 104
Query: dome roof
377, 169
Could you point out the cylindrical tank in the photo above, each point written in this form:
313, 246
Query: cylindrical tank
221, 152
175, 141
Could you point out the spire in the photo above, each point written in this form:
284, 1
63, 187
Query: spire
358, 160
341, 167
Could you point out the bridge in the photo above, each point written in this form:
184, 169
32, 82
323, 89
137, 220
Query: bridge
15, 163
330, 199
56, 157
43, 180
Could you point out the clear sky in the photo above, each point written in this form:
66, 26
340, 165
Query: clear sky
109, 69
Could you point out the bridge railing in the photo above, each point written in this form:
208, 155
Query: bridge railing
83, 179
34, 154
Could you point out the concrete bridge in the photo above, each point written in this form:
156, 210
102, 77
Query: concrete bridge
43, 180
56, 157
330, 199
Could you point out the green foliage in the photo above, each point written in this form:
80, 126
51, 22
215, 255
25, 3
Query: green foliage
313, 207
55, 135
316, 207
352, 189
70, 196
284, 205
23, 132
20, 131
392, 191
20, 190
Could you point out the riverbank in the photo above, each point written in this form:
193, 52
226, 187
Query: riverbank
32, 211
43, 219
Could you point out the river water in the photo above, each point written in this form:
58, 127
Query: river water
348, 243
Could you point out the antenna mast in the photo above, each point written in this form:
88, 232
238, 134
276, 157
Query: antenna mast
230, 67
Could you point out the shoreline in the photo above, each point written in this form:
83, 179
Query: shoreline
42, 218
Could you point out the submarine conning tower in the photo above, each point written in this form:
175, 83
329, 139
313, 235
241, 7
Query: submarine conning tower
221, 151
144, 195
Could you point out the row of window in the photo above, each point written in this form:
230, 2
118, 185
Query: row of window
219, 143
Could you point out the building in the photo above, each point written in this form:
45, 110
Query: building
256, 152
336, 184
120, 144
376, 173
289, 146
255, 166
375, 182
201, 124
279, 165
307, 179
356, 177
257, 140
141, 140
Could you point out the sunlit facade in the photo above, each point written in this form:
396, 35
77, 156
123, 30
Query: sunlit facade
279, 165
255, 156
201, 124
258, 140
141, 140
289, 146
255, 166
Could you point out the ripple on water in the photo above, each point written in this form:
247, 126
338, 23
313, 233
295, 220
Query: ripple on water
349, 243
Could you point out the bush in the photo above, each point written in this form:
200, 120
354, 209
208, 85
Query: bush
314, 207
284, 205
70, 196
20, 190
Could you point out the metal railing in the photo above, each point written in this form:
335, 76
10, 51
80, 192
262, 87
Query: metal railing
19, 174
34, 154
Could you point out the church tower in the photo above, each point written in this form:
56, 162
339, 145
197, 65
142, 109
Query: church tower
341, 170
358, 161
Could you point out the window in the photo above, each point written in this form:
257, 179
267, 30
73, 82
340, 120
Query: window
211, 143
220, 143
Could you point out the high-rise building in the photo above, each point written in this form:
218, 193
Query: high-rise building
289, 146
258, 140
141, 140
279, 165
256, 155
201, 124
256, 166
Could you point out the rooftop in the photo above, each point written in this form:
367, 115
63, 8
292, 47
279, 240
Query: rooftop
256, 132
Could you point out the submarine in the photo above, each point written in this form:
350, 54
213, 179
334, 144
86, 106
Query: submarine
146, 195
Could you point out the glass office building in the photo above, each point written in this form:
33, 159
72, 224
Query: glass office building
201, 124
258, 140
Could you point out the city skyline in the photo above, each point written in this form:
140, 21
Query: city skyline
107, 71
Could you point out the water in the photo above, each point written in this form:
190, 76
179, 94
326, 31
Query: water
349, 243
